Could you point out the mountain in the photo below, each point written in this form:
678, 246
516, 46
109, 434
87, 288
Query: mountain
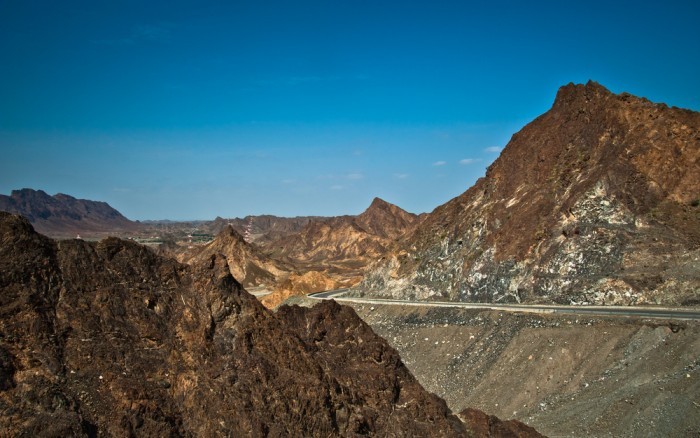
246, 263
263, 228
65, 216
109, 339
344, 244
596, 201
385, 220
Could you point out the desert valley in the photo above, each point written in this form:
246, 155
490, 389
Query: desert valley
114, 327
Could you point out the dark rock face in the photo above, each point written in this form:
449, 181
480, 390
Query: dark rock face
62, 215
358, 359
108, 339
483, 425
594, 202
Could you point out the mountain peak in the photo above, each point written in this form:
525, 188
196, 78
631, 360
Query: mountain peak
230, 233
575, 92
379, 203
385, 219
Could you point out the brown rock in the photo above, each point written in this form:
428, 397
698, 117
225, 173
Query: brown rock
594, 202
110, 339
483, 425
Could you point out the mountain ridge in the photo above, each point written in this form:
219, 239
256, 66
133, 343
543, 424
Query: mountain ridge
580, 198
63, 215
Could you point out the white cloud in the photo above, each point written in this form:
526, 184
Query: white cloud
401, 175
493, 149
439, 163
469, 161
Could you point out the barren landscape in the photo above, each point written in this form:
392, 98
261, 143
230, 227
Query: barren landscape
564, 375
592, 203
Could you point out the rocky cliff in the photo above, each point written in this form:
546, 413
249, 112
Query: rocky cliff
344, 244
245, 260
108, 339
597, 201
63, 215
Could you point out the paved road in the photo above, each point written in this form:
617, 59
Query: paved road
619, 311
259, 291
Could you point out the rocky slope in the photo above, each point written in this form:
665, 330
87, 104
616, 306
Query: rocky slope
108, 339
246, 263
264, 228
597, 201
565, 375
302, 284
65, 216
344, 244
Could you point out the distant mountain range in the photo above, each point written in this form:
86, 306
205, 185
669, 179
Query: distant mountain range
597, 201
296, 256
63, 215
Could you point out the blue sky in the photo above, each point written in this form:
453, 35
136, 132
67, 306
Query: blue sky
189, 110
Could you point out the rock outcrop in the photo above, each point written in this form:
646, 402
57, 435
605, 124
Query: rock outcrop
245, 260
109, 339
63, 215
597, 201
344, 244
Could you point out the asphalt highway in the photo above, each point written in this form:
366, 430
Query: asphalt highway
617, 311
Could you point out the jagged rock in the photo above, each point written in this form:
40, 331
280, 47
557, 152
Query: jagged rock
344, 244
245, 260
109, 339
484, 425
594, 202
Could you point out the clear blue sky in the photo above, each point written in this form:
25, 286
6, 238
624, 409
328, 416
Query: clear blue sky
189, 110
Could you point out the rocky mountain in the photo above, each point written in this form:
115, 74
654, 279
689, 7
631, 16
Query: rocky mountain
109, 339
385, 220
263, 228
344, 244
596, 201
246, 263
65, 216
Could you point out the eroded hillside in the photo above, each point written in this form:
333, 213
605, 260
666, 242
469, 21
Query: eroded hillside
594, 202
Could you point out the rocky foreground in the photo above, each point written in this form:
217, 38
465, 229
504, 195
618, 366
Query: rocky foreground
108, 339
566, 375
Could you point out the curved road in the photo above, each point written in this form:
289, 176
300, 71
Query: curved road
619, 311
